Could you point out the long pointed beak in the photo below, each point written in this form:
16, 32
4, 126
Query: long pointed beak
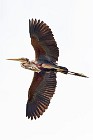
14, 59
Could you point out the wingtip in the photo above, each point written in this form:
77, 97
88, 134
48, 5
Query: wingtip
30, 111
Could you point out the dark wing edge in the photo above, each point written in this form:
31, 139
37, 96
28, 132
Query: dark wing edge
43, 41
40, 93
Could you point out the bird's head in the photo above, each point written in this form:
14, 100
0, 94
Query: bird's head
22, 60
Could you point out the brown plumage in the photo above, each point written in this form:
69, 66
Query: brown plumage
40, 93
44, 83
45, 68
43, 41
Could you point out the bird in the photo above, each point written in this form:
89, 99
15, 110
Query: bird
45, 68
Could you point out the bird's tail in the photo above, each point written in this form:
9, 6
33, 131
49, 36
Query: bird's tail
66, 71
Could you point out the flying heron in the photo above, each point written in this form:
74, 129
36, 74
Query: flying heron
44, 67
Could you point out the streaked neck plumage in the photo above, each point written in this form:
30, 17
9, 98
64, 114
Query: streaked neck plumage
31, 65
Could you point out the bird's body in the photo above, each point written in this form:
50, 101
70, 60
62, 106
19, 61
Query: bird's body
44, 67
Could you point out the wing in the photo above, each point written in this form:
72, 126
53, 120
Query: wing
43, 41
40, 92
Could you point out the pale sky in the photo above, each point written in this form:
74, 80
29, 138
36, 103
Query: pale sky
70, 113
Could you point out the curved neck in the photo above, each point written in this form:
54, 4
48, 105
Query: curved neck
31, 66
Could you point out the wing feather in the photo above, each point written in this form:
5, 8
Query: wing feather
40, 93
43, 41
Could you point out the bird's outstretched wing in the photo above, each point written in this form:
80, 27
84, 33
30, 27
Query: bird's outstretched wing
40, 93
43, 41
